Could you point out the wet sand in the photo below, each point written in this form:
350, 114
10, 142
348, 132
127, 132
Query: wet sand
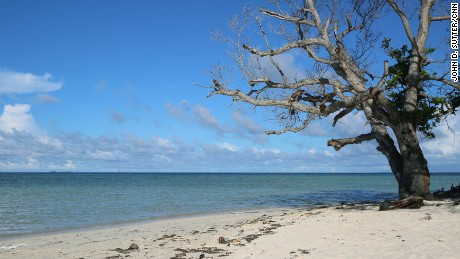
346, 231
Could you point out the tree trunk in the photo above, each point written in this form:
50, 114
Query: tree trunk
408, 164
415, 179
415, 176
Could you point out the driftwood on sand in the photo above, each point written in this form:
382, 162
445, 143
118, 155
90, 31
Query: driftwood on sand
408, 203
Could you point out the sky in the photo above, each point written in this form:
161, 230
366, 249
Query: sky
110, 86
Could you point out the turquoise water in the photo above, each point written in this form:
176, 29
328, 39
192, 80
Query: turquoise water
33, 203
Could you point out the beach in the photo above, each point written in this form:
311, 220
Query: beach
342, 231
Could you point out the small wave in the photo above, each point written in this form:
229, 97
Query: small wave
10, 247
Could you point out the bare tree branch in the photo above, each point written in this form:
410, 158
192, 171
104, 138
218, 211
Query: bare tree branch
271, 57
316, 57
323, 109
443, 80
339, 143
382, 80
287, 18
237, 95
304, 125
292, 45
305, 82
404, 20
310, 7
440, 18
342, 114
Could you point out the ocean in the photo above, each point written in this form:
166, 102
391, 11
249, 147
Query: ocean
34, 203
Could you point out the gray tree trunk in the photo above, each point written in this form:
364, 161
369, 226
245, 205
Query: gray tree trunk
414, 178
408, 165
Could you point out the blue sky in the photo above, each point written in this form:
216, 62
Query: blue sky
109, 86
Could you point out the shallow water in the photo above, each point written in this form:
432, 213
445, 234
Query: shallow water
33, 203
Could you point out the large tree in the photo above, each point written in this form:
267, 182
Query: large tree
404, 101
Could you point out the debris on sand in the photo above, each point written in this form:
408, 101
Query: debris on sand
453, 193
222, 240
202, 251
408, 203
130, 249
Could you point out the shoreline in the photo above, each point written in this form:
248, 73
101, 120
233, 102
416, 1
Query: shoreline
130, 223
153, 219
358, 230
135, 222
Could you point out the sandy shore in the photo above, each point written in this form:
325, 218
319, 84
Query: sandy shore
337, 232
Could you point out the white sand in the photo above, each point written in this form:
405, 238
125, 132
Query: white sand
351, 232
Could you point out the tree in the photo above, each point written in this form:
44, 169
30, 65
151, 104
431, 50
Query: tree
341, 40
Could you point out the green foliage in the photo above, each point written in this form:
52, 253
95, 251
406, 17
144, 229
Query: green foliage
431, 109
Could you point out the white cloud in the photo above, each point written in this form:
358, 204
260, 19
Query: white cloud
447, 141
207, 120
256, 151
23, 147
315, 128
57, 144
329, 154
228, 146
162, 142
12, 82
276, 151
178, 111
32, 164
17, 117
246, 123
163, 158
68, 165
116, 117
35, 152
27, 164
247, 128
46, 98
96, 154
101, 85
